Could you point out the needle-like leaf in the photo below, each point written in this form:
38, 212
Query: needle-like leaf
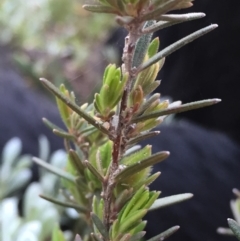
177, 45
73, 106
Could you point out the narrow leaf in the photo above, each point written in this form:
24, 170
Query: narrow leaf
50, 125
63, 134
142, 137
99, 8
177, 109
182, 17
142, 46
166, 6
100, 226
138, 236
54, 170
94, 171
73, 106
131, 220
177, 45
167, 201
65, 204
234, 227
76, 161
165, 234
131, 170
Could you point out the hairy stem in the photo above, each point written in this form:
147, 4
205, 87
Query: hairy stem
119, 144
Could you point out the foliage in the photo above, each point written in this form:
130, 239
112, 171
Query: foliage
33, 224
14, 170
234, 226
52, 37
107, 176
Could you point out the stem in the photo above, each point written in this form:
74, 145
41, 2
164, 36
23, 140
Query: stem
119, 144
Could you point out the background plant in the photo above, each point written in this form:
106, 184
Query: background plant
32, 223
107, 175
69, 43
234, 226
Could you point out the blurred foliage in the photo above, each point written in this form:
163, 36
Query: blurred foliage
38, 216
234, 226
54, 38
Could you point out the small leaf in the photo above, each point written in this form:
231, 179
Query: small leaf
99, 8
137, 156
132, 220
150, 161
50, 125
177, 45
234, 227
159, 9
63, 134
132, 202
153, 47
177, 109
76, 161
142, 46
54, 170
73, 106
100, 226
142, 136
57, 234
172, 19
138, 236
94, 171
65, 204
167, 201
165, 234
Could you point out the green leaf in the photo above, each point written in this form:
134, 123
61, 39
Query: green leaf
234, 227
100, 226
177, 109
76, 161
177, 45
142, 136
63, 108
165, 234
99, 8
51, 126
106, 154
129, 206
122, 198
152, 197
63, 134
65, 204
153, 47
57, 234
132, 220
73, 106
137, 156
98, 207
54, 170
142, 46
172, 19
159, 9
94, 171
138, 236
167, 201
149, 161
148, 102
